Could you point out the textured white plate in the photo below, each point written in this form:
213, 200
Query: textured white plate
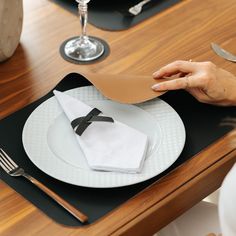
50, 142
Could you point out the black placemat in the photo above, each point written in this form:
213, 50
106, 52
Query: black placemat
114, 15
102, 57
202, 124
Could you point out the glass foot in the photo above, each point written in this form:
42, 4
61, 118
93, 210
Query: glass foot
84, 49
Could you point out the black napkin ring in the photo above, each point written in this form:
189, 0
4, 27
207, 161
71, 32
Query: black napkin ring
80, 124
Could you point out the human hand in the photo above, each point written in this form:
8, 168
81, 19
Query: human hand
212, 234
204, 80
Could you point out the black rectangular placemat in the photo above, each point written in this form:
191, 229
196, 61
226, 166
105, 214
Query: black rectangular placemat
114, 15
202, 123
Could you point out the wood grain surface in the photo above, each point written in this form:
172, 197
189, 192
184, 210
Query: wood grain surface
184, 31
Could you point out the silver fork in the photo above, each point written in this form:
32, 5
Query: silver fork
13, 169
135, 10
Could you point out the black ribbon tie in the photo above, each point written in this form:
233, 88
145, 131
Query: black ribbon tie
80, 124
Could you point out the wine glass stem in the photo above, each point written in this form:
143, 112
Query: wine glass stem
83, 15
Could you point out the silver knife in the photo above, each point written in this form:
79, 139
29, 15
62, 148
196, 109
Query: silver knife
223, 53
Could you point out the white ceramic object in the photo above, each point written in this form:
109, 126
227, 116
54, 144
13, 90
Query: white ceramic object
51, 145
11, 18
202, 219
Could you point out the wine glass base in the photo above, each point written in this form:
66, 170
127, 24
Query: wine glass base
92, 49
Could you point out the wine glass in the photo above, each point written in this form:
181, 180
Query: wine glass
84, 48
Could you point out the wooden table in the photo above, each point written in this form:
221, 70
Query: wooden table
184, 31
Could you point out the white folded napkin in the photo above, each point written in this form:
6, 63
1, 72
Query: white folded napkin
108, 146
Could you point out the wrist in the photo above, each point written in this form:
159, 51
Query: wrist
228, 84
232, 93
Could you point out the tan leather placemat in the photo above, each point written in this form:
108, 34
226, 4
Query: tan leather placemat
129, 89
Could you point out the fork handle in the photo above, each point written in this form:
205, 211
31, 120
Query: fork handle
71, 209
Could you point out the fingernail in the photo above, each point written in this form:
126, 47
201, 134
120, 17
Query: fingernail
156, 87
155, 73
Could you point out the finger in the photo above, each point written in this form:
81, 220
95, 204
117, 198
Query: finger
174, 68
181, 83
175, 76
182, 74
171, 75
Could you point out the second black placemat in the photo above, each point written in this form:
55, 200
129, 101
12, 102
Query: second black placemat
202, 124
114, 15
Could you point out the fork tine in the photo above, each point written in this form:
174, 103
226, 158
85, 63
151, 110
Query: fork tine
7, 159
2, 164
6, 163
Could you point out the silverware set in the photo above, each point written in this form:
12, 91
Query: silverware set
223, 53
11, 168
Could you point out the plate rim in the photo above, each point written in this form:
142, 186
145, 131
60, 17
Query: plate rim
140, 106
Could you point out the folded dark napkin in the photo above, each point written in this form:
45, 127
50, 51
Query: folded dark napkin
202, 123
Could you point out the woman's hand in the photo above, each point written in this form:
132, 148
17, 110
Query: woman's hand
204, 80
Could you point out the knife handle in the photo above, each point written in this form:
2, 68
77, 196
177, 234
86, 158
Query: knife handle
67, 206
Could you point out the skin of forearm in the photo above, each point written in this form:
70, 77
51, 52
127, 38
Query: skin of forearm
232, 92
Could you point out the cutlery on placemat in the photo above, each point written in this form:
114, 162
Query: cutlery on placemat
13, 169
223, 53
136, 9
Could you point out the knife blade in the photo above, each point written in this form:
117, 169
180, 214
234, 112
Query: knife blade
223, 53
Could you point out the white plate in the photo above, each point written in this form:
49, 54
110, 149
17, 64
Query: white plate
51, 145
